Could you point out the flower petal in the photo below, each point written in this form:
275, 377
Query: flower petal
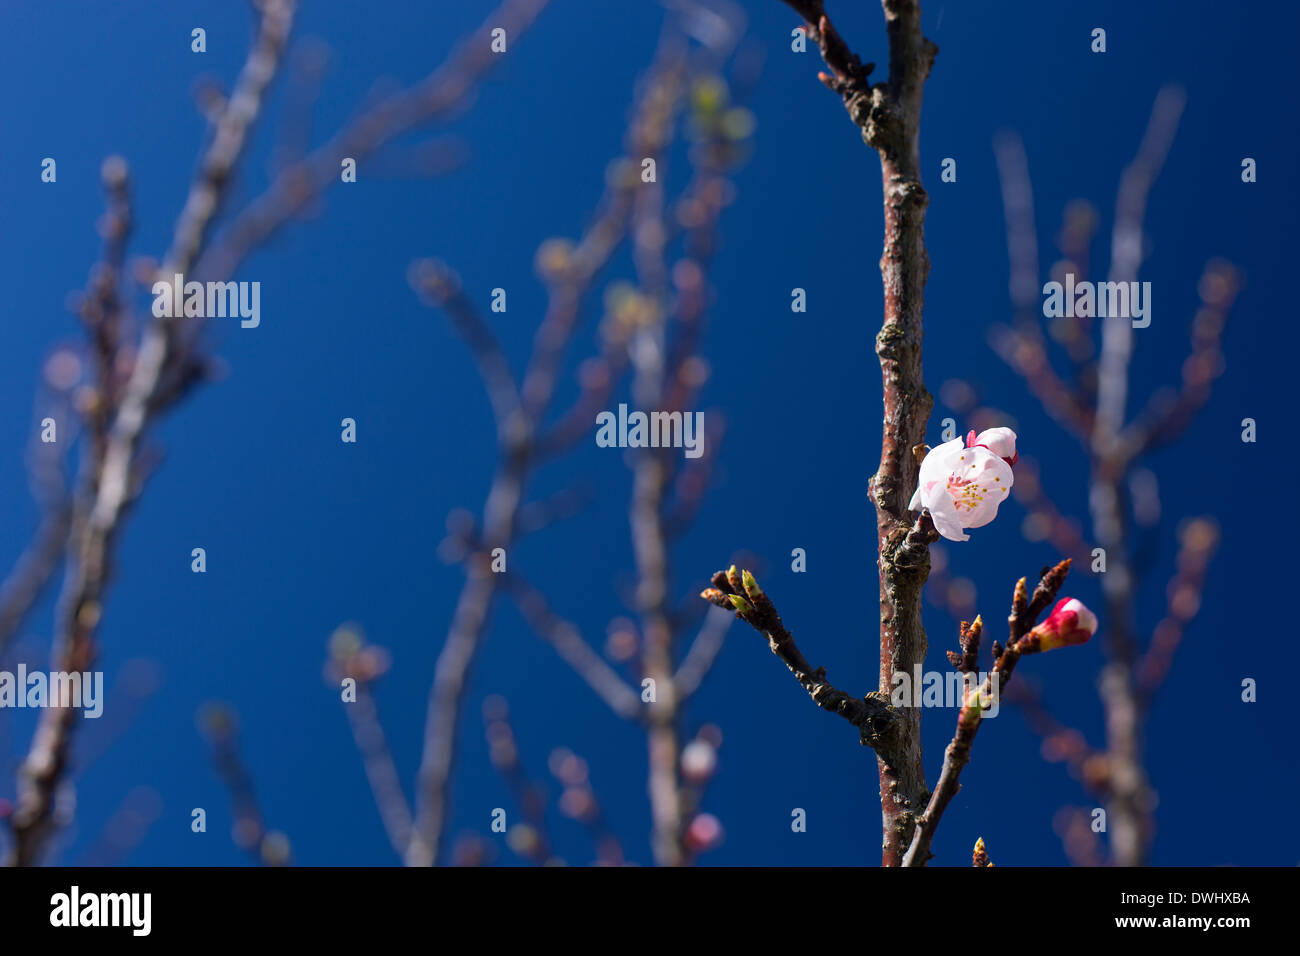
1000, 441
986, 482
943, 512
939, 462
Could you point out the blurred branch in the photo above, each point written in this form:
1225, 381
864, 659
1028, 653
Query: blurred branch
1169, 413
33, 571
598, 378
670, 305
1128, 811
622, 699
441, 288
1043, 520
632, 325
1021, 346
1117, 485
125, 829
136, 385
578, 801
702, 653
267, 847
100, 309
569, 272
1026, 355
1080, 842
1197, 541
1018, 210
692, 481
107, 485
1061, 744
137, 681
956, 596
308, 64
1126, 251
300, 183
350, 656
539, 515
529, 839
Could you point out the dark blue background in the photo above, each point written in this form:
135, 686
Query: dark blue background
303, 532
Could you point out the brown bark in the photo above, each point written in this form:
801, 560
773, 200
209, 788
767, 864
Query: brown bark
889, 115
874, 717
892, 128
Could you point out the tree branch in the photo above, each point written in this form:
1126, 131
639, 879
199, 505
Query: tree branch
1129, 807
1024, 614
351, 657
703, 651
575, 651
531, 840
889, 116
108, 481
299, 183
439, 286
568, 279
878, 722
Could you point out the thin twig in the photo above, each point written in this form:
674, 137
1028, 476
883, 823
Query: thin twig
1024, 614
530, 841
299, 183
372, 744
877, 721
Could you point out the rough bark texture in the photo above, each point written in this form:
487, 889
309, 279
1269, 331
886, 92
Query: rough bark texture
889, 115
892, 128
877, 721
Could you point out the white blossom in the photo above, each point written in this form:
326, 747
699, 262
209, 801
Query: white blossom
963, 481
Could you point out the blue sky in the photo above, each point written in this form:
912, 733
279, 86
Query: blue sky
303, 532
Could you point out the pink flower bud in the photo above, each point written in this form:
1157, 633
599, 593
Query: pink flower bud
1069, 623
704, 833
1000, 441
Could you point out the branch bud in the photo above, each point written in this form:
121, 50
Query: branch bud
734, 579
714, 596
